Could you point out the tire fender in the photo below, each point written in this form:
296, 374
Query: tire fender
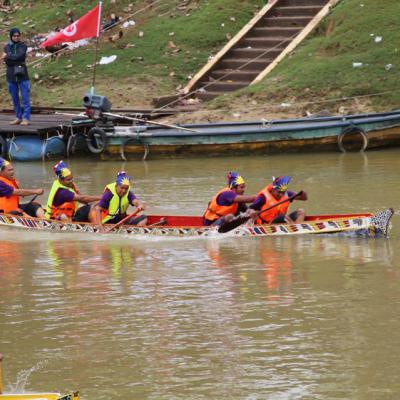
351, 130
96, 140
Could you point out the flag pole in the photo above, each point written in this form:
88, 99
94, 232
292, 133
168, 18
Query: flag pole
93, 90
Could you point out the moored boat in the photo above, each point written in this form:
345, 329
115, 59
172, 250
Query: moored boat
346, 132
365, 224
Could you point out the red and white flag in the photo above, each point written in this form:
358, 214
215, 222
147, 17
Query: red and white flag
85, 27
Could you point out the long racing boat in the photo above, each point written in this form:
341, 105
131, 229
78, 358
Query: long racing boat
365, 224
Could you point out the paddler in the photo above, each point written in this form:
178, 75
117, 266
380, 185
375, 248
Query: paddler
272, 194
64, 198
228, 202
10, 194
115, 201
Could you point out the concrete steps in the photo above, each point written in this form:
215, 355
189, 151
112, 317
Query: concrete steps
257, 49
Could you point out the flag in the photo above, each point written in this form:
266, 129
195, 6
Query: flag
85, 27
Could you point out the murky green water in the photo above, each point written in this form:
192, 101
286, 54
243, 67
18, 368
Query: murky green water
235, 318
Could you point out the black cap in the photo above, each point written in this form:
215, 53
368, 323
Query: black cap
13, 31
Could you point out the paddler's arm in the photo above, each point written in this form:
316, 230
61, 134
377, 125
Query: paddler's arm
101, 206
98, 210
137, 203
98, 218
27, 192
86, 199
244, 199
303, 196
256, 206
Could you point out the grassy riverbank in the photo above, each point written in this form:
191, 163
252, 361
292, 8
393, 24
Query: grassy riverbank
169, 42
355, 52
178, 37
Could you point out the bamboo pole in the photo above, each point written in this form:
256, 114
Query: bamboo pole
150, 122
96, 52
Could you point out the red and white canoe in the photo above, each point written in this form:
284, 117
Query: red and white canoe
366, 224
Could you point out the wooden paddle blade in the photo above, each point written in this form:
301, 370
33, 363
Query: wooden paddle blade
230, 226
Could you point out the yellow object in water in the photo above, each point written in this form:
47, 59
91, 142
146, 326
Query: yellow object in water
39, 396
32, 396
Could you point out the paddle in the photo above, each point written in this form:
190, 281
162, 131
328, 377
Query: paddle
239, 220
137, 211
33, 198
162, 221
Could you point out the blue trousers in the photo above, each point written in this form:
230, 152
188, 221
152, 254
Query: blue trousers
25, 88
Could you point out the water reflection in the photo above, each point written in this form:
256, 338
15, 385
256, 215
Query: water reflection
98, 264
139, 319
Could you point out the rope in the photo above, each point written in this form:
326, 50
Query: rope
301, 103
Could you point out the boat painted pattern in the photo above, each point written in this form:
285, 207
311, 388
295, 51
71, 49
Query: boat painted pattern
367, 225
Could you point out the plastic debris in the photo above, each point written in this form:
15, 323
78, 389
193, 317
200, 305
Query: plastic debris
77, 43
129, 23
357, 64
388, 67
378, 39
107, 60
286, 105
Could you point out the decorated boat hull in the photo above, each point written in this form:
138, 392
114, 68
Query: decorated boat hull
367, 225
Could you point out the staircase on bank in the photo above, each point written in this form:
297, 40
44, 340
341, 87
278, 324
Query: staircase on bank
259, 46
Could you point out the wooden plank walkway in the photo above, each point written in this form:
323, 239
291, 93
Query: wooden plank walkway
51, 124
55, 120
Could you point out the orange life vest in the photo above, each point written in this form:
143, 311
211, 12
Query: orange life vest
269, 216
8, 204
215, 211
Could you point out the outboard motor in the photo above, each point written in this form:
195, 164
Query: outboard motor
95, 105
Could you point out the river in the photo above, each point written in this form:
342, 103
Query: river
232, 318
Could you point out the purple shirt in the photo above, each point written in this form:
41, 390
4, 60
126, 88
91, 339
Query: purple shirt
260, 200
226, 198
63, 196
6, 190
107, 196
